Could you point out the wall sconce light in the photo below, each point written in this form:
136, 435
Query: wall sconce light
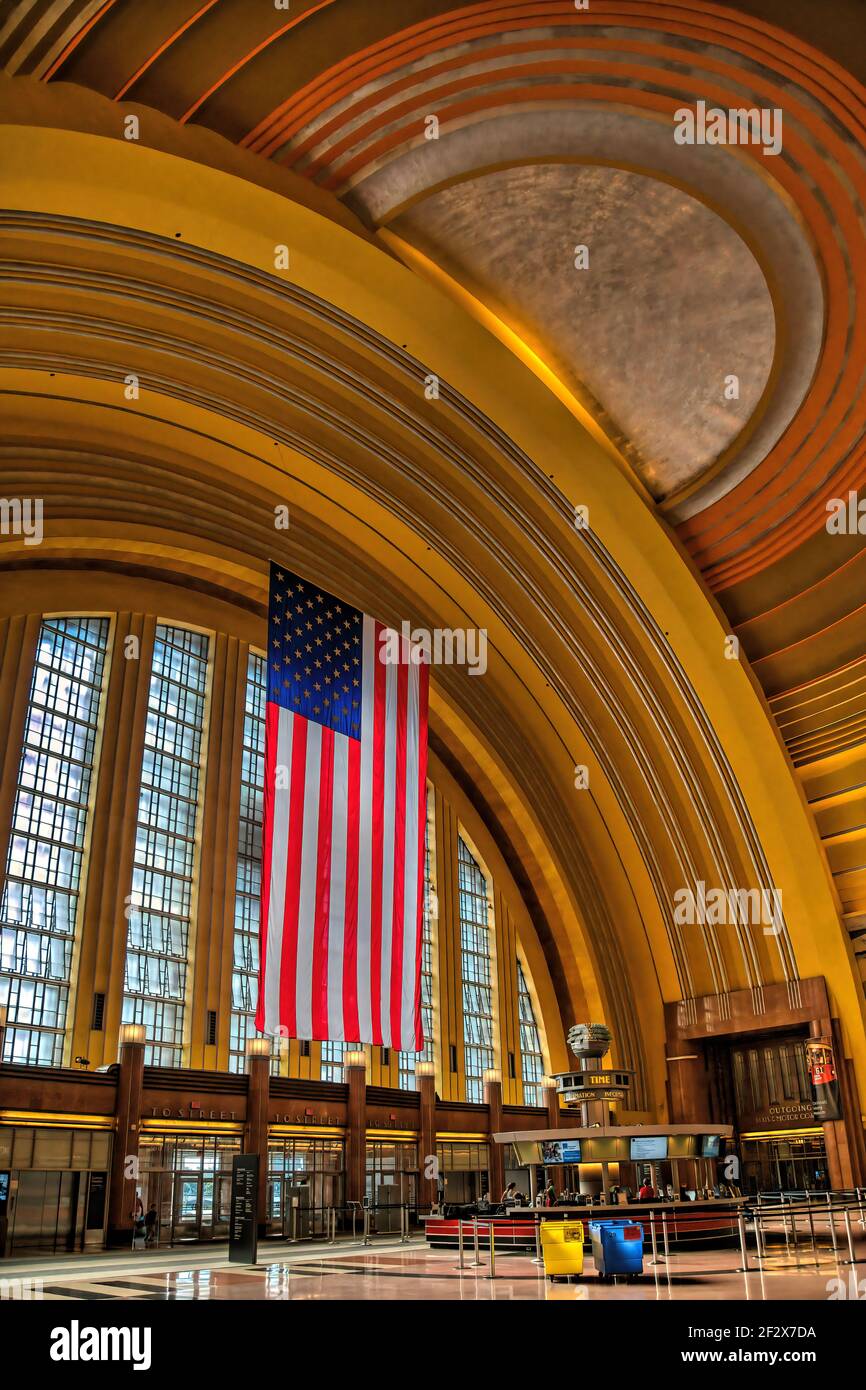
355, 1058
491, 1074
425, 1068
258, 1047
548, 1083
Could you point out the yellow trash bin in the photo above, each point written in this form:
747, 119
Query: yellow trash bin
562, 1248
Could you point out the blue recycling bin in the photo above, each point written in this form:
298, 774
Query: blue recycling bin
617, 1247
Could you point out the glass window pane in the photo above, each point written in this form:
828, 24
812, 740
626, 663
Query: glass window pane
477, 947
40, 901
248, 874
158, 930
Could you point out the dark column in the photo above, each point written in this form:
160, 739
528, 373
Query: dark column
496, 1166
124, 1181
2, 1028
256, 1128
427, 1186
355, 1071
842, 1165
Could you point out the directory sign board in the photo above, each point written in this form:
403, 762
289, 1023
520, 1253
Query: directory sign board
243, 1230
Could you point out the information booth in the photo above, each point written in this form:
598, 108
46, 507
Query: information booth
594, 1169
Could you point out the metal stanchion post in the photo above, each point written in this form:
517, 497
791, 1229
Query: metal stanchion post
459, 1264
852, 1256
831, 1217
741, 1223
665, 1236
760, 1250
492, 1252
366, 1225
655, 1259
332, 1226
812, 1232
794, 1236
859, 1191
476, 1259
538, 1256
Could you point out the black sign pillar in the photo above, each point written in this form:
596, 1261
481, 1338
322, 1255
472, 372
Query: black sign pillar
243, 1235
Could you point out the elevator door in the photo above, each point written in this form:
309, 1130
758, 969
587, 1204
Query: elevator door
45, 1213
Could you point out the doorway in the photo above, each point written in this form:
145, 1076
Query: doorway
188, 1179
200, 1207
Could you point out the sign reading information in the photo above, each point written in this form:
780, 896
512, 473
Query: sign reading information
243, 1234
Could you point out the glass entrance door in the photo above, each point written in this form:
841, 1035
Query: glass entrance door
200, 1207
186, 1212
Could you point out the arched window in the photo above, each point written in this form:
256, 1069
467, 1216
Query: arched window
248, 876
531, 1055
476, 940
164, 863
39, 909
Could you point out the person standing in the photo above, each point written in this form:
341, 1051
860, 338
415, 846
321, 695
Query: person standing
151, 1225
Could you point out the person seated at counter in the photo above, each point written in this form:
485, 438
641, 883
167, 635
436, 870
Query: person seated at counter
484, 1202
508, 1194
646, 1193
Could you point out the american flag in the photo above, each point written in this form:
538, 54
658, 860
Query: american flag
344, 822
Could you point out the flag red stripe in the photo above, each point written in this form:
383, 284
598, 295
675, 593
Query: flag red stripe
351, 1027
272, 725
323, 887
399, 855
289, 967
378, 813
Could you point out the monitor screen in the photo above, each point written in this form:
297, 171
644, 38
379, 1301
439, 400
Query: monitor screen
710, 1145
560, 1151
650, 1146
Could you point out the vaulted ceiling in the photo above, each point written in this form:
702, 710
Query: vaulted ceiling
483, 145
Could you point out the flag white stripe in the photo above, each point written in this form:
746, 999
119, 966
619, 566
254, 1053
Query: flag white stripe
307, 896
279, 855
337, 909
410, 882
365, 840
388, 824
